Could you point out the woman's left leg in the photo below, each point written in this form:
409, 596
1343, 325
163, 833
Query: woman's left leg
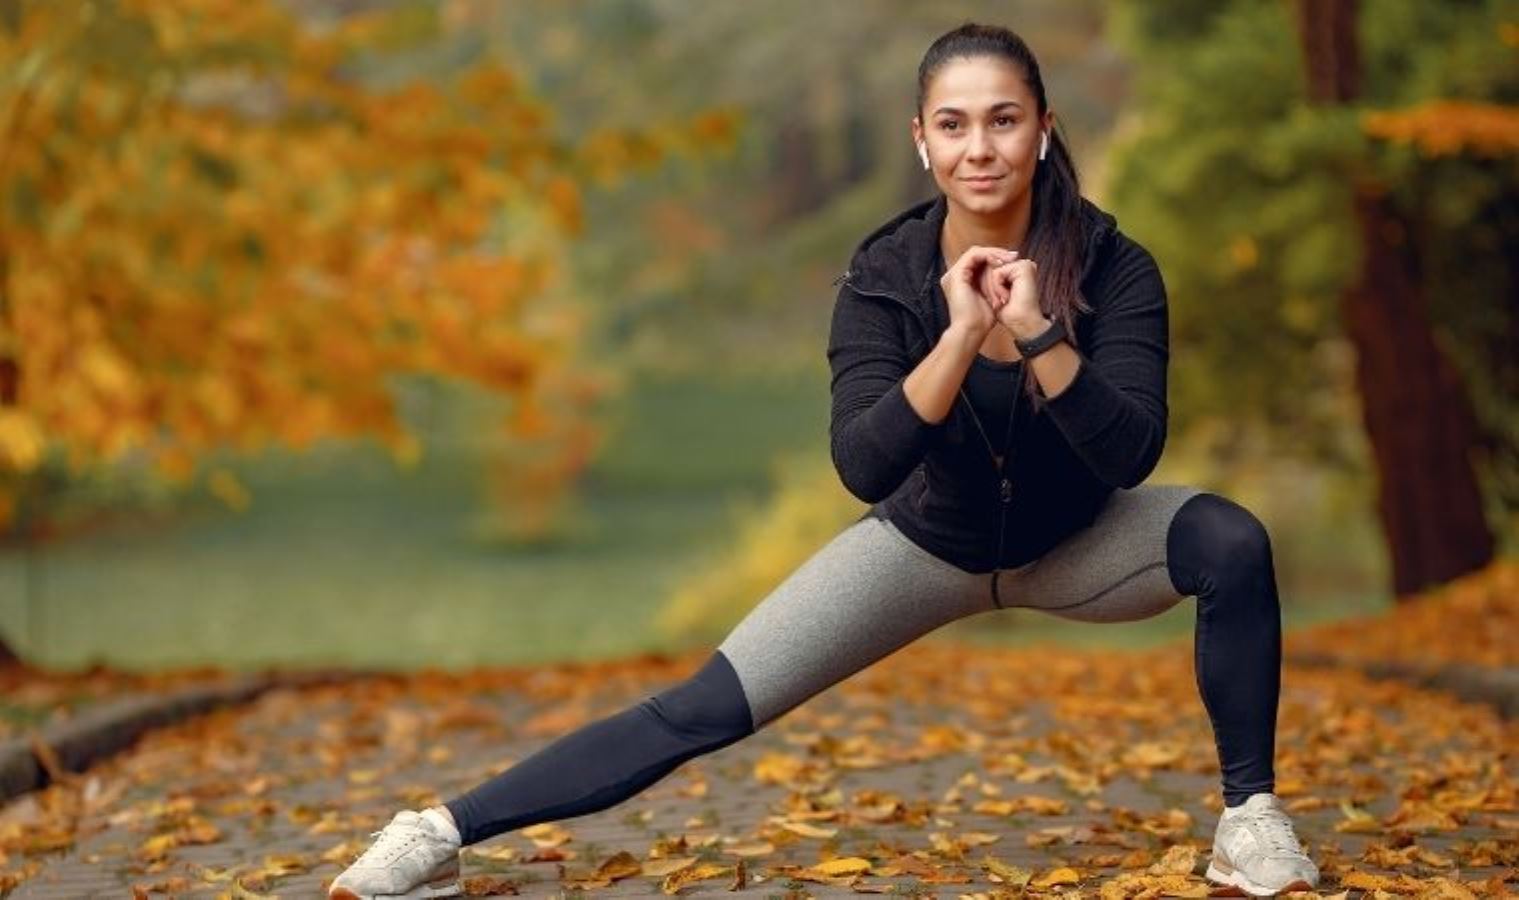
1147, 549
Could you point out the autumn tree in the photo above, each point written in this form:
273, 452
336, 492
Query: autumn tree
224, 225
1318, 175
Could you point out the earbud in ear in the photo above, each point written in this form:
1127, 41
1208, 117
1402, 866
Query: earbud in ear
1044, 143
923, 154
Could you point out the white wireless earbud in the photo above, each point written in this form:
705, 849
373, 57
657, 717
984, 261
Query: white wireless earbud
1044, 143
923, 153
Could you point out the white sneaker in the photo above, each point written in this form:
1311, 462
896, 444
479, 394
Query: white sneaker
1256, 850
410, 859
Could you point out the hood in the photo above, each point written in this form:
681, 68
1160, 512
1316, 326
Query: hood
897, 258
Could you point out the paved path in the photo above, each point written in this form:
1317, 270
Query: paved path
926, 764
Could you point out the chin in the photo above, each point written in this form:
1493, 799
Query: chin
986, 203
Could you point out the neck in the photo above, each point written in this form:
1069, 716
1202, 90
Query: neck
965, 228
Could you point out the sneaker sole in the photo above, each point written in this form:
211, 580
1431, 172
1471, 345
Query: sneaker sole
422, 892
1236, 879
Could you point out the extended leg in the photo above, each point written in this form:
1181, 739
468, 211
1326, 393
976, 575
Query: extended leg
865, 594
609, 760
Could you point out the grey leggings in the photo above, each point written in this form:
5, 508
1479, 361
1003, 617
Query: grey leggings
870, 591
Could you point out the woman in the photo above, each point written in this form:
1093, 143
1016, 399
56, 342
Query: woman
1050, 328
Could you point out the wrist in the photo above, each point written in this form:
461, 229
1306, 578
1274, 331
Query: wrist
1024, 329
962, 340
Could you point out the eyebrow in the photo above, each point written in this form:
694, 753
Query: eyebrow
994, 108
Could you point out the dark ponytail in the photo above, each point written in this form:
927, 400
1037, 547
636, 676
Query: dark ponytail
1056, 239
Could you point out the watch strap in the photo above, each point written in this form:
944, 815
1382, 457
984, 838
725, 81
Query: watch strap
1041, 342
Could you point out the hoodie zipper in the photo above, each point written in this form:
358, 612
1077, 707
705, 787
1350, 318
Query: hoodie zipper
1005, 484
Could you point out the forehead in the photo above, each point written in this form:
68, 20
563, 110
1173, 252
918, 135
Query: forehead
977, 83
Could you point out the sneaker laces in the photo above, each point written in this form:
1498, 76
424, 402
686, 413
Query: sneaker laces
1276, 828
390, 841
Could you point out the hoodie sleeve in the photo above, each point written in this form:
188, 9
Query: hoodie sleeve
1114, 412
877, 438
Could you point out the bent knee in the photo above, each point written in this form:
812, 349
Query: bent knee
1211, 535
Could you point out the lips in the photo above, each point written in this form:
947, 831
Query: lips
983, 179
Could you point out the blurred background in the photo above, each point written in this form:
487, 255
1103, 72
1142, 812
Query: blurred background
413, 334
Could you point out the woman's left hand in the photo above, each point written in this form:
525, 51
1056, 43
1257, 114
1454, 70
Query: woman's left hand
1013, 290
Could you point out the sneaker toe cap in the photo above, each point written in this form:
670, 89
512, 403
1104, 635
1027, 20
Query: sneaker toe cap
1277, 872
367, 880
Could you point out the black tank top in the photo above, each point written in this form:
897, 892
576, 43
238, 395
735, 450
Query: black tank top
990, 386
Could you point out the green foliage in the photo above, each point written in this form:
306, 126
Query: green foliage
1242, 190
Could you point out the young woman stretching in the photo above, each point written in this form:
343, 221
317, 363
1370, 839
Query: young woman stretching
1000, 413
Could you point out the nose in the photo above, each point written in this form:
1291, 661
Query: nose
980, 144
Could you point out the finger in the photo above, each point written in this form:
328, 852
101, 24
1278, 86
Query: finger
979, 255
993, 289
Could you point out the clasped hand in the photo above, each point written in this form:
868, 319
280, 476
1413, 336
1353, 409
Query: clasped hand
988, 286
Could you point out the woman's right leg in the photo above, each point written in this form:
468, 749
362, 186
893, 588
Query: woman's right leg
867, 593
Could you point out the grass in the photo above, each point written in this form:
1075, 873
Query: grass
343, 559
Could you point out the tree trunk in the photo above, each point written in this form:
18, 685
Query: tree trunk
1418, 416
799, 186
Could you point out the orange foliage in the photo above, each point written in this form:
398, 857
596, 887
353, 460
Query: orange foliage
221, 236
1470, 621
1448, 127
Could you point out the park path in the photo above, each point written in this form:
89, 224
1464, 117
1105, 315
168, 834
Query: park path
944, 770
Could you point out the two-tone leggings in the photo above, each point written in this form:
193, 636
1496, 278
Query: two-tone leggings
870, 591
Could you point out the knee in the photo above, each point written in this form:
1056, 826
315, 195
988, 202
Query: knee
1211, 538
707, 709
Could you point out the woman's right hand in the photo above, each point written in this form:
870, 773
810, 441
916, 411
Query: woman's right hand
970, 310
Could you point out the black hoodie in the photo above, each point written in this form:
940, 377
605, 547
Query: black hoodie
936, 482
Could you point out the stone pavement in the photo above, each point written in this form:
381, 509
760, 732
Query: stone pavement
926, 764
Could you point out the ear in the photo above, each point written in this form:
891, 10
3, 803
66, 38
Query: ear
917, 130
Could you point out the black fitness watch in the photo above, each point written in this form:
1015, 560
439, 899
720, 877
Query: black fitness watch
1041, 342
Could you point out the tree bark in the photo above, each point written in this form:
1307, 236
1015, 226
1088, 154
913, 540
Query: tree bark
1418, 416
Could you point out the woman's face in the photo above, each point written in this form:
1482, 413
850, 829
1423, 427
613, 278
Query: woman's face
981, 126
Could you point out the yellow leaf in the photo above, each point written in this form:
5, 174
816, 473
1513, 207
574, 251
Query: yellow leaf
1044, 806
662, 867
546, 834
1442, 888
1062, 875
1154, 754
846, 865
158, 845
1356, 821
759, 848
1366, 881
621, 865
1180, 859
1007, 874
778, 768
811, 831
21, 440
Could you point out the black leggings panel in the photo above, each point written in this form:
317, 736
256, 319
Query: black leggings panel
611, 759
